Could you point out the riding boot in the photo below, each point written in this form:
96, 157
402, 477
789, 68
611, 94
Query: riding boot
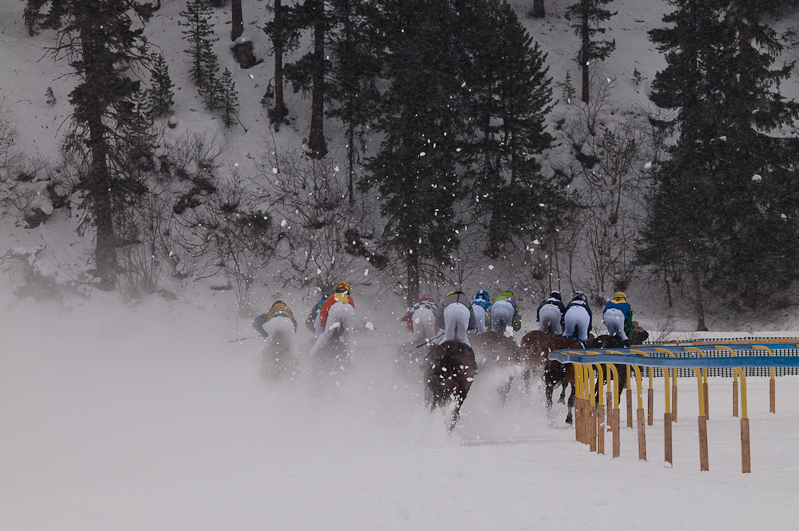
626, 343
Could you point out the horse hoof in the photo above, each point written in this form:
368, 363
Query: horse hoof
569, 419
561, 401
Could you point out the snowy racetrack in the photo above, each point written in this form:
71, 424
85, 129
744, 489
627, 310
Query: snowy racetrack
148, 419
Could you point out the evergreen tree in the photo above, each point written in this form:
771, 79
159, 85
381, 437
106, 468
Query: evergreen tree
100, 101
284, 34
200, 36
725, 205
589, 14
308, 72
160, 94
351, 84
510, 96
228, 98
416, 168
210, 86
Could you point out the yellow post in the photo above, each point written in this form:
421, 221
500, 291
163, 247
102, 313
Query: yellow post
667, 443
734, 382
641, 427
703, 457
615, 418
650, 405
772, 385
674, 385
746, 462
704, 384
578, 388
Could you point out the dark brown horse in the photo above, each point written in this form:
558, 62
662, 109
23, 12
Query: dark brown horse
609, 342
450, 371
538, 345
496, 349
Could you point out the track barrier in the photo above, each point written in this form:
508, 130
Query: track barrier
596, 413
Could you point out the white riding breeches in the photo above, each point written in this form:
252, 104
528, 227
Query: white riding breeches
549, 316
614, 321
456, 323
480, 317
424, 324
341, 316
576, 323
502, 313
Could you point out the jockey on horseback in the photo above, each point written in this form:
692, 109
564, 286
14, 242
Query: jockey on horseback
278, 309
422, 319
480, 306
550, 314
456, 316
337, 314
618, 317
503, 314
312, 322
577, 318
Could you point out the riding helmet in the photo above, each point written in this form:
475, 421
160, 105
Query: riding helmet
482, 294
343, 287
579, 296
426, 297
555, 295
619, 296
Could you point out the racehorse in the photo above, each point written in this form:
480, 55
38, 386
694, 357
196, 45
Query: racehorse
609, 342
538, 345
333, 357
449, 374
496, 350
277, 361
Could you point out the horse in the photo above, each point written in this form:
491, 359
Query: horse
609, 342
277, 361
538, 345
497, 350
449, 374
333, 357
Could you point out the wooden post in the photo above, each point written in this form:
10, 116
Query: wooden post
772, 387
616, 433
600, 430
703, 459
641, 435
629, 406
707, 401
609, 404
746, 463
667, 438
577, 419
592, 429
735, 397
674, 399
650, 396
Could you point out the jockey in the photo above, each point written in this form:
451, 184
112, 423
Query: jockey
280, 322
337, 314
577, 318
618, 317
312, 322
456, 317
422, 319
550, 314
480, 306
503, 314
278, 309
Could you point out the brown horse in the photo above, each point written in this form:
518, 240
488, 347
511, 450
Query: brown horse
450, 371
538, 345
496, 349
609, 342
277, 361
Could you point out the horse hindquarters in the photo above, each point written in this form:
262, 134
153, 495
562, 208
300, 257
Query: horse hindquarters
449, 375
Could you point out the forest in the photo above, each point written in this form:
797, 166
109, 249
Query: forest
420, 141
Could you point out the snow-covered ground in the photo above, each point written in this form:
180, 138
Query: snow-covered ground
149, 418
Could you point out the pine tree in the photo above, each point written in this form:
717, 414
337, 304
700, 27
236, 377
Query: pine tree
510, 95
200, 36
99, 102
284, 34
209, 88
725, 205
416, 167
588, 14
160, 93
228, 98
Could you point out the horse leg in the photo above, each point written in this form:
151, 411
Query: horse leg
562, 399
550, 387
569, 417
504, 390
